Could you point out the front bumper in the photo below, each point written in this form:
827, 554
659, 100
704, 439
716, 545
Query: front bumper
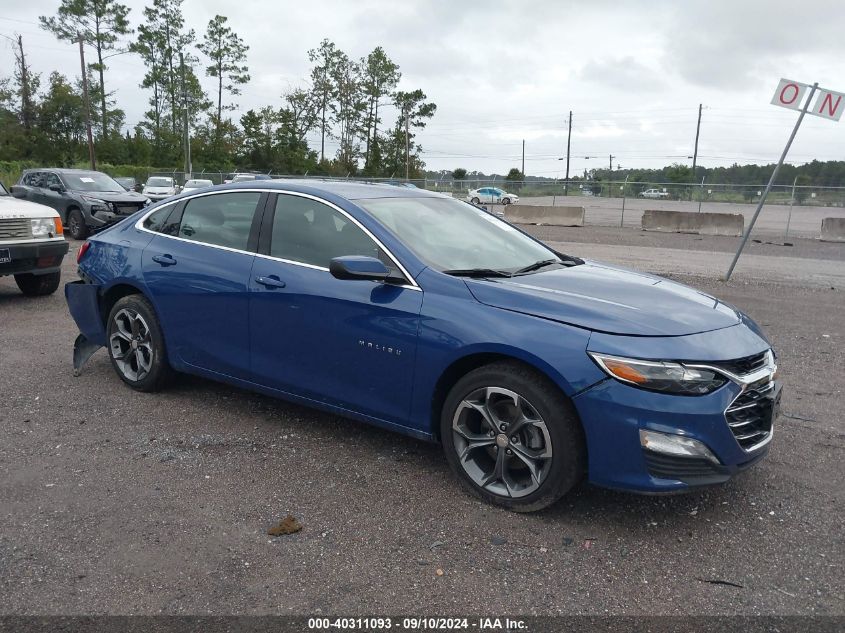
156, 197
38, 258
613, 414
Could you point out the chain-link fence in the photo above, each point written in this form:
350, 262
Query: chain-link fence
703, 192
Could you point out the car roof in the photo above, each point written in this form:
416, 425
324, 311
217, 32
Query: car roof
341, 188
65, 170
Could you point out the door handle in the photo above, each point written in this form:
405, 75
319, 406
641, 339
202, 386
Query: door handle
164, 260
270, 282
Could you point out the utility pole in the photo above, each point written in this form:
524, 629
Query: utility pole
610, 177
187, 133
523, 159
611, 162
26, 99
568, 138
87, 104
695, 153
407, 146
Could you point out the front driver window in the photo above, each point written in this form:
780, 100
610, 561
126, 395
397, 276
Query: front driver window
222, 219
310, 232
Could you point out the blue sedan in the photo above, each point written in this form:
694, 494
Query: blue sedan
425, 315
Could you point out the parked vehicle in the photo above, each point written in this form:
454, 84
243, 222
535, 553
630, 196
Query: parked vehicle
128, 183
160, 187
654, 193
85, 200
32, 244
425, 315
246, 178
491, 195
197, 183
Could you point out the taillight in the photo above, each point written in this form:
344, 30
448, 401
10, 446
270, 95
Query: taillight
82, 250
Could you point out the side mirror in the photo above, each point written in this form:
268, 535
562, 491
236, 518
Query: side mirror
56, 188
358, 267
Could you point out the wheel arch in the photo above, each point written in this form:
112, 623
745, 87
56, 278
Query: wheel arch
115, 293
471, 361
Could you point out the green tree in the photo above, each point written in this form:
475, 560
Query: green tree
150, 46
459, 174
62, 122
379, 77
100, 23
325, 58
414, 109
227, 53
347, 107
515, 177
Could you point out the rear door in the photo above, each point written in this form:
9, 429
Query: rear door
349, 343
197, 269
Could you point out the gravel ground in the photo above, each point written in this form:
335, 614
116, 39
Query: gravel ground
115, 502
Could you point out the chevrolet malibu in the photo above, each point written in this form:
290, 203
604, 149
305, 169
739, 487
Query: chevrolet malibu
425, 315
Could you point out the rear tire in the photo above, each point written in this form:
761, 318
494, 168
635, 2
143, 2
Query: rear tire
475, 201
38, 285
76, 225
512, 437
136, 344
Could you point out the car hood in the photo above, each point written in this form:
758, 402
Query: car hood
130, 197
11, 207
608, 299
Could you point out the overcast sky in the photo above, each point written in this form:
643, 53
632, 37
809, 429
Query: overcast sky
633, 73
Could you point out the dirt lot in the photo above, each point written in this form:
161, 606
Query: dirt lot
113, 501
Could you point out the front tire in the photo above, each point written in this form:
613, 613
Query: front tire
136, 344
76, 225
506, 201
512, 437
38, 285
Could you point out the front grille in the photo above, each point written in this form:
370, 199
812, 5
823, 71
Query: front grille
127, 209
15, 228
742, 366
751, 414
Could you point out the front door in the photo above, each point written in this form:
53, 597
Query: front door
197, 269
349, 343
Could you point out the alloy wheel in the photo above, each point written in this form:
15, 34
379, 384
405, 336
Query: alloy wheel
131, 345
502, 442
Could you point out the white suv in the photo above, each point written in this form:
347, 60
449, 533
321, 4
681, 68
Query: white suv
32, 244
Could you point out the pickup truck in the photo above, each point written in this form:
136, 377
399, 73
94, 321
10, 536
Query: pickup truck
654, 193
32, 244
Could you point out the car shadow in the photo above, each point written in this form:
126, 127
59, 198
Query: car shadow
586, 505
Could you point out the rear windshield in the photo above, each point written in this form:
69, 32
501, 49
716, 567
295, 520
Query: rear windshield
160, 182
91, 181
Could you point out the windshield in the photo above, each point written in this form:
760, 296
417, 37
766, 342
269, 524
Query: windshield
91, 181
452, 235
198, 183
160, 182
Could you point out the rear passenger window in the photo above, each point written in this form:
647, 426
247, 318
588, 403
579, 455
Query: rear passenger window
156, 219
222, 219
310, 232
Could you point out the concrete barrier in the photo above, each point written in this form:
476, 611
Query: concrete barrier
554, 216
833, 230
731, 224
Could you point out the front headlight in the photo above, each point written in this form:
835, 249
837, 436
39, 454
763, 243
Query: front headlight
46, 227
97, 204
663, 376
